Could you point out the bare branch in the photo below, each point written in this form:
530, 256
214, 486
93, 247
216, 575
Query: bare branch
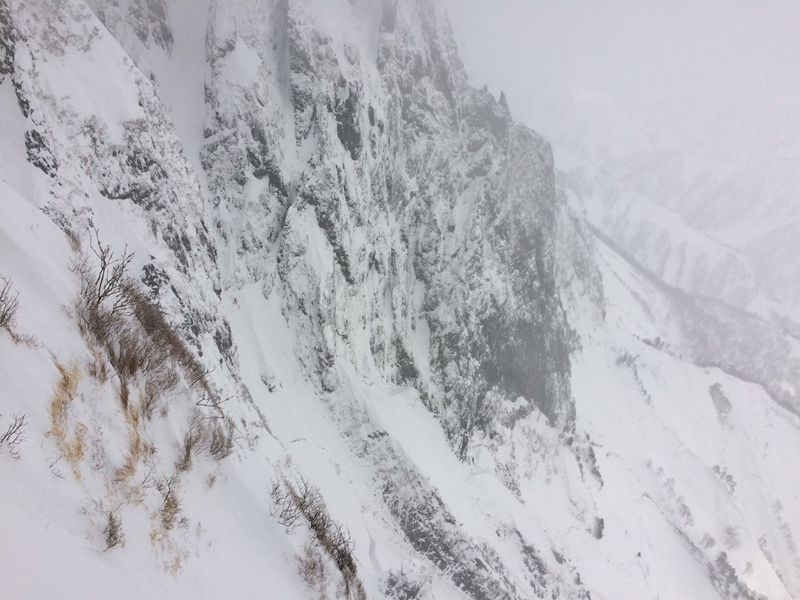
9, 303
113, 530
110, 281
15, 434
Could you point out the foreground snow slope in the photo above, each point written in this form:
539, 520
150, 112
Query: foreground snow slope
383, 306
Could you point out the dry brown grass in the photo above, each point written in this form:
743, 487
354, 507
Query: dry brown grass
137, 447
136, 493
128, 469
70, 439
312, 569
176, 566
185, 460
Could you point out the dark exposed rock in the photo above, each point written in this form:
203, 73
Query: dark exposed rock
406, 368
147, 19
347, 127
154, 278
8, 38
224, 341
516, 335
22, 101
39, 154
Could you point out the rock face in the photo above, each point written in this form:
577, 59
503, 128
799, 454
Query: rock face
438, 213
146, 19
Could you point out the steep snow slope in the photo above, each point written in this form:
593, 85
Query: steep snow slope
684, 450
372, 271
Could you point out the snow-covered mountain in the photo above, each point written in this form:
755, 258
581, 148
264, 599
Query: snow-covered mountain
301, 314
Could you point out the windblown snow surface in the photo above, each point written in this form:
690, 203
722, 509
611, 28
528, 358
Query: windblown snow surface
392, 298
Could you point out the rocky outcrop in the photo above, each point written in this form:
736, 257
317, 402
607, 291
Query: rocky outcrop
438, 213
147, 19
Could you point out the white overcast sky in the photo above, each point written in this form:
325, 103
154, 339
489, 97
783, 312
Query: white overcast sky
733, 62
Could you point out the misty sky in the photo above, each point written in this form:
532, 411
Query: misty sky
733, 67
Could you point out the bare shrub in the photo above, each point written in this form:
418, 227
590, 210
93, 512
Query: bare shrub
171, 505
21, 338
113, 531
161, 380
101, 312
286, 509
214, 435
164, 341
14, 435
97, 367
124, 393
293, 501
115, 315
108, 283
221, 438
9, 303
185, 461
